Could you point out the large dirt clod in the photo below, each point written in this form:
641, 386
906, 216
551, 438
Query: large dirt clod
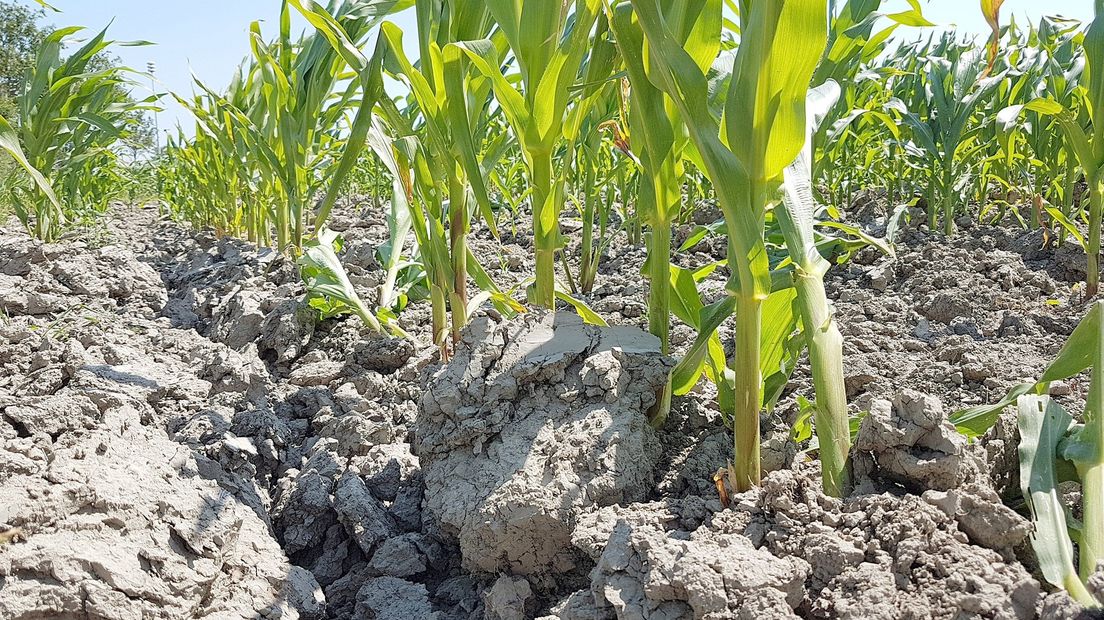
532, 423
119, 524
883, 556
909, 442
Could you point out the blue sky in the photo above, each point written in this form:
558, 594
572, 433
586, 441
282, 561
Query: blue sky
209, 37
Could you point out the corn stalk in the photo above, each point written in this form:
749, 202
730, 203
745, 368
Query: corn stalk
549, 45
822, 336
659, 138
744, 154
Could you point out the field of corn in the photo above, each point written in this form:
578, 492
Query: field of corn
590, 309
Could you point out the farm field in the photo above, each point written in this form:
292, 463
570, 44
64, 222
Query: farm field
586, 310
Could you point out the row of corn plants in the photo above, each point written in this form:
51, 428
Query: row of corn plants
629, 114
612, 121
1001, 134
71, 116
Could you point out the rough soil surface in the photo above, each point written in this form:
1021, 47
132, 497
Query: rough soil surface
534, 423
180, 437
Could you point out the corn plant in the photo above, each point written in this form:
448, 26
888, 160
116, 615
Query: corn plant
593, 210
438, 161
796, 218
946, 136
71, 112
549, 41
1085, 142
852, 40
442, 182
399, 215
1049, 442
281, 124
596, 165
301, 109
870, 144
1032, 155
863, 146
600, 160
659, 140
744, 154
329, 290
508, 181
9, 142
212, 182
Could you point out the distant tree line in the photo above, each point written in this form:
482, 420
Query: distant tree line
20, 35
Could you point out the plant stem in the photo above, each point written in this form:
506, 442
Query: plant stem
544, 289
948, 215
747, 391
659, 308
1092, 249
282, 227
659, 293
826, 358
1092, 537
1092, 468
458, 242
933, 218
948, 198
568, 277
586, 282
440, 319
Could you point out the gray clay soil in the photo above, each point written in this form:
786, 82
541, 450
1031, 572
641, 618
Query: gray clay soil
180, 438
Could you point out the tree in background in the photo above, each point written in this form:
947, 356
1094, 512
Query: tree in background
138, 157
20, 36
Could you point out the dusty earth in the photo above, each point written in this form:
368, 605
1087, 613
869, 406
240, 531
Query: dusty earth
181, 438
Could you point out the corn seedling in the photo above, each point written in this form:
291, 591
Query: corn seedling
71, 111
602, 161
601, 152
659, 140
1085, 142
946, 137
549, 39
329, 290
432, 156
1049, 443
744, 153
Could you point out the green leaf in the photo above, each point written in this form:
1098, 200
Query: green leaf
485, 58
1043, 424
689, 369
1070, 227
328, 286
1078, 139
686, 304
779, 346
585, 312
9, 141
456, 97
